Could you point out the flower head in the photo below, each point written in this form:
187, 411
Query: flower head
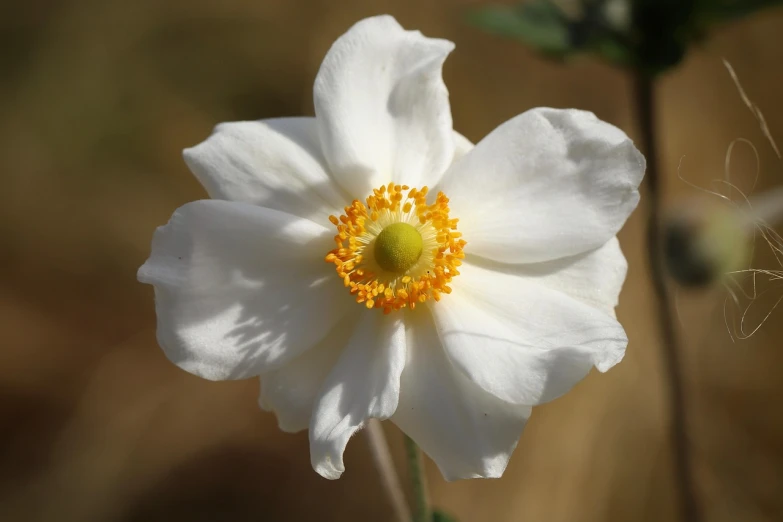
370, 262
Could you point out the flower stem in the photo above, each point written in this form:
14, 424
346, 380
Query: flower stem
683, 473
422, 511
381, 456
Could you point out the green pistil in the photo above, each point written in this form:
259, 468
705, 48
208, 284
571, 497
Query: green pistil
398, 247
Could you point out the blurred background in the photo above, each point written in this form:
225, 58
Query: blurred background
97, 100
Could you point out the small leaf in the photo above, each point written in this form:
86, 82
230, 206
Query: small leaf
613, 51
440, 516
727, 10
539, 23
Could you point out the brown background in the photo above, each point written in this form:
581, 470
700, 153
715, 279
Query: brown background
97, 99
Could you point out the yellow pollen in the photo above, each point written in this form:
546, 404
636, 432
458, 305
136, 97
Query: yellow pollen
396, 250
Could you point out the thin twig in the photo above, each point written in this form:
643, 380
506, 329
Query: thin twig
423, 511
381, 456
683, 472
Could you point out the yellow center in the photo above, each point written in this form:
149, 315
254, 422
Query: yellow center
398, 247
396, 250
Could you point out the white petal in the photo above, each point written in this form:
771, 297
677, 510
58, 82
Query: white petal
241, 289
521, 341
274, 163
547, 184
465, 430
292, 390
382, 107
595, 277
364, 383
462, 145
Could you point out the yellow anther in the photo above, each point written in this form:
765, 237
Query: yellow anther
415, 248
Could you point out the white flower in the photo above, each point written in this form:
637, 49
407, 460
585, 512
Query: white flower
465, 333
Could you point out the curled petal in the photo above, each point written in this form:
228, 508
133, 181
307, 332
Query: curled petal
275, 163
365, 383
546, 184
595, 277
521, 341
382, 107
292, 390
468, 432
234, 283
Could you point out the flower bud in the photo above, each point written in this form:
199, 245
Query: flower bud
705, 240
618, 14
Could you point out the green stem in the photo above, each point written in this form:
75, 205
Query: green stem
689, 509
421, 511
381, 456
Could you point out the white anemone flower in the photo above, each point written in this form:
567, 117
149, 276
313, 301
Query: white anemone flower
488, 293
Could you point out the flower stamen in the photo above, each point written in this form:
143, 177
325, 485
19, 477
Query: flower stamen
395, 250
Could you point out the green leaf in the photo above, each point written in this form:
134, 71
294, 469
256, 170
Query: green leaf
440, 516
727, 10
538, 23
613, 51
